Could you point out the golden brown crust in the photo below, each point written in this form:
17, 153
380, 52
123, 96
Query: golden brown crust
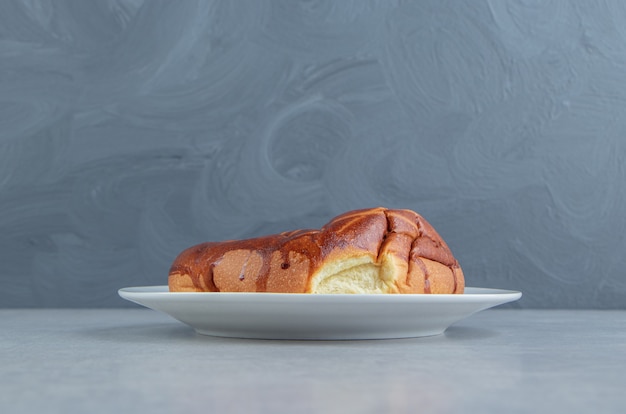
411, 254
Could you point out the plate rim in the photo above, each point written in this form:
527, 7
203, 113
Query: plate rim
477, 293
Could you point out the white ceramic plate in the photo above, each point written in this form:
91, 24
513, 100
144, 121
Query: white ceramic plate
319, 317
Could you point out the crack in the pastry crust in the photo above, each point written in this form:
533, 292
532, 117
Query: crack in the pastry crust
413, 257
388, 230
210, 275
418, 260
242, 272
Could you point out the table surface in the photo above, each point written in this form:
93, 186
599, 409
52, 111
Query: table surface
500, 360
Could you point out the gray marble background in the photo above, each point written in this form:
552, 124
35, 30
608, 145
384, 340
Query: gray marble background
132, 129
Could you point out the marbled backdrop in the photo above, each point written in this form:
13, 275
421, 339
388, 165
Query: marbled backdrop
132, 129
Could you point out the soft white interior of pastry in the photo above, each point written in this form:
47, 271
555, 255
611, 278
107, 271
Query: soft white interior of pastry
356, 275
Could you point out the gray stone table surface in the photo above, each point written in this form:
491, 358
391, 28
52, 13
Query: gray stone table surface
136, 360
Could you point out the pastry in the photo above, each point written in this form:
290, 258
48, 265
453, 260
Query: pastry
374, 250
